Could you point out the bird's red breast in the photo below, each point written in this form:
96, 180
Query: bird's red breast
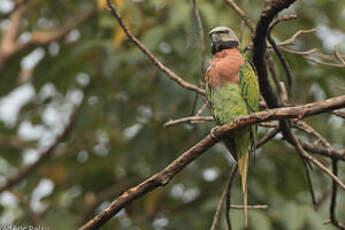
224, 67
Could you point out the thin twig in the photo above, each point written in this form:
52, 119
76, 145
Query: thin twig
323, 198
338, 57
310, 185
319, 57
301, 125
284, 63
201, 110
268, 137
240, 206
281, 19
150, 55
333, 204
332, 153
274, 75
202, 50
322, 167
297, 52
224, 195
304, 155
294, 37
193, 119
338, 113
241, 13
324, 62
228, 195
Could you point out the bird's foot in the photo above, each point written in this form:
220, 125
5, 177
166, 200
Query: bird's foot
213, 130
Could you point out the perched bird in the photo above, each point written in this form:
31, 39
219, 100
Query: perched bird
232, 90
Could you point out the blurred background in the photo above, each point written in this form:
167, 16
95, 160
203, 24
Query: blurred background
98, 90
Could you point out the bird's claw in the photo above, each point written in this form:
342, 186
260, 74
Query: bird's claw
213, 130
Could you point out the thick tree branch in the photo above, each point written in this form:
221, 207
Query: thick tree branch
162, 178
150, 55
271, 9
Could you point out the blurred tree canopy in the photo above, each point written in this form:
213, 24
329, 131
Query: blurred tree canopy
114, 102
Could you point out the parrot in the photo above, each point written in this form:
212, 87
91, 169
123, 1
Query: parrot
232, 90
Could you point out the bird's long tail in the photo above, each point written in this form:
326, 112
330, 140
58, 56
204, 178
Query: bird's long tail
243, 166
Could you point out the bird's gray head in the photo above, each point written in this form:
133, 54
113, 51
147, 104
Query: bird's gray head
223, 37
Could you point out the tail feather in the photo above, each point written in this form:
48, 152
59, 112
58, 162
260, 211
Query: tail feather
243, 166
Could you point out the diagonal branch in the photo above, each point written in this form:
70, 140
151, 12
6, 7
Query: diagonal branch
150, 55
166, 175
8, 43
240, 12
301, 125
268, 137
18, 3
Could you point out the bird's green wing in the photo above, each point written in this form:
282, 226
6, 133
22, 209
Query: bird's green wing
251, 94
